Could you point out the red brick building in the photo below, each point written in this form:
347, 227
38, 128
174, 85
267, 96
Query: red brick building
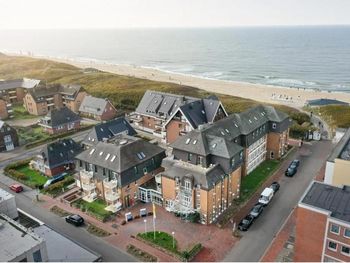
97, 108
323, 224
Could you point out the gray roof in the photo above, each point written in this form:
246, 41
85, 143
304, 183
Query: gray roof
161, 105
61, 248
61, 116
40, 91
205, 177
218, 138
323, 102
333, 199
107, 130
19, 83
60, 152
93, 105
342, 150
121, 153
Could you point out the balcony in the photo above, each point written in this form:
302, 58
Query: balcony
114, 207
112, 196
112, 184
88, 186
86, 175
9, 105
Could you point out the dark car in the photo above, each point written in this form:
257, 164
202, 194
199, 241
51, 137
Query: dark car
295, 163
246, 223
275, 186
291, 171
76, 220
256, 210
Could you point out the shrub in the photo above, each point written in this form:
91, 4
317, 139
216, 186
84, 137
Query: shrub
17, 175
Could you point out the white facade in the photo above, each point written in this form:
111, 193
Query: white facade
328, 178
8, 204
256, 154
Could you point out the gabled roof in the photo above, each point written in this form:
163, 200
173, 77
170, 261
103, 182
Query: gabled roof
18, 83
93, 105
61, 116
161, 105
40, 91
60, 152
121, 153
205, 177
107, 130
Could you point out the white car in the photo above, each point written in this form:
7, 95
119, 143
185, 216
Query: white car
266, 196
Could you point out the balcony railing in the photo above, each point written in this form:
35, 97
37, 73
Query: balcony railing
88, 187
112, 196
87, 175
112, 184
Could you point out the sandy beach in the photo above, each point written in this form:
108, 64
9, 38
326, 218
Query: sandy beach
293, 97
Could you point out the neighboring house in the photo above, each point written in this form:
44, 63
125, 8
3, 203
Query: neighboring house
169, 116
60, 120
114, 170
325, 102
204, 173
323, 224
20, 244
8, 137
43, 98
338, 163
97, 108
6, 111
56, 157
107, 130
14, 91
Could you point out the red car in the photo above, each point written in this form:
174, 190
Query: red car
16, 188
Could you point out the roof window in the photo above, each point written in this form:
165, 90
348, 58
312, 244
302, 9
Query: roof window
188, 141
92, 151
195, 141
227, 131
108, 155
213, 146
101, 153
250, 121
113, 158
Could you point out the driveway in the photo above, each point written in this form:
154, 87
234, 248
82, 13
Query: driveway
256, 240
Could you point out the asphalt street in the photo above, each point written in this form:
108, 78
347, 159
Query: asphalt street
256, 240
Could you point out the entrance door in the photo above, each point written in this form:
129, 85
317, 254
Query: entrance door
127, 200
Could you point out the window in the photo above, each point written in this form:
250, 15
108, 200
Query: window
335, 229
95, 168
187, 201
189, 157
232, 162
104, 171
135, 170
145, 170
188, 141
345, 250
37, 256
274, 125
80, 163
347, 232
332, 245
187, 185
272, 155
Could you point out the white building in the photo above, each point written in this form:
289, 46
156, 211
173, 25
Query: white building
8, 204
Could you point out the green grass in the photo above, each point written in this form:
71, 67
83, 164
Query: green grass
31, 134
95, 208
162, 239
20, 113
60, 187
33, 177
252, 181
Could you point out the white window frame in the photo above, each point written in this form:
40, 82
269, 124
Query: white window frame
330, 248
343, 253
187, 185
344, 233
330, 229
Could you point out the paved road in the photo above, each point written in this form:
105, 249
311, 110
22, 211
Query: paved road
255, 241
25, 202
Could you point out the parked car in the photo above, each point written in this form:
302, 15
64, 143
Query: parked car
76, 220
16, 188
266, 196
275, 186
246, 223
54, 179
291, 171
256, 210
295, 163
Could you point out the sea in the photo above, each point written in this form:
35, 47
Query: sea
310, 57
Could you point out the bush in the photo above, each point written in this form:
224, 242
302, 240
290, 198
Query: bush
17, 175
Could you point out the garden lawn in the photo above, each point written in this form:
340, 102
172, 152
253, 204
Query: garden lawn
95, 208
253, 181
162, 239
31, 134
20, 113
33, 177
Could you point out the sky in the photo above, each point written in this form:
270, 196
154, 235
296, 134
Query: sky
41, 14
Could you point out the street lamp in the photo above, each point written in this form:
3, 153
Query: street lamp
173, 234
145, 221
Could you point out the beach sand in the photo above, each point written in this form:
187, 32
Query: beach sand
293, 97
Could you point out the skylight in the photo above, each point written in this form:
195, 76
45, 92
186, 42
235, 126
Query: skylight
255, 118
222, 132
195, 141
227, 130
108, 155
143, 155
92, 151
235, 125
203, 111
139, 156
113, 158
250, 121
101, 153
188, 141
214, 145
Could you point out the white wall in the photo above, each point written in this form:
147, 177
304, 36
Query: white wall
328, 178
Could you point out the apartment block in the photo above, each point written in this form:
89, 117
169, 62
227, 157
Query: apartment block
114, 170
323, 224
169, 116
6, 111
13, 91
97, 108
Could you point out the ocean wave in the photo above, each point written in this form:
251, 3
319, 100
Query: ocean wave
290, 82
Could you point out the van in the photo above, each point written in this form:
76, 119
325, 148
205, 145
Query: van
266, 196
54, 179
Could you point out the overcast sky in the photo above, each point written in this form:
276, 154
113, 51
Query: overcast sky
170, 13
